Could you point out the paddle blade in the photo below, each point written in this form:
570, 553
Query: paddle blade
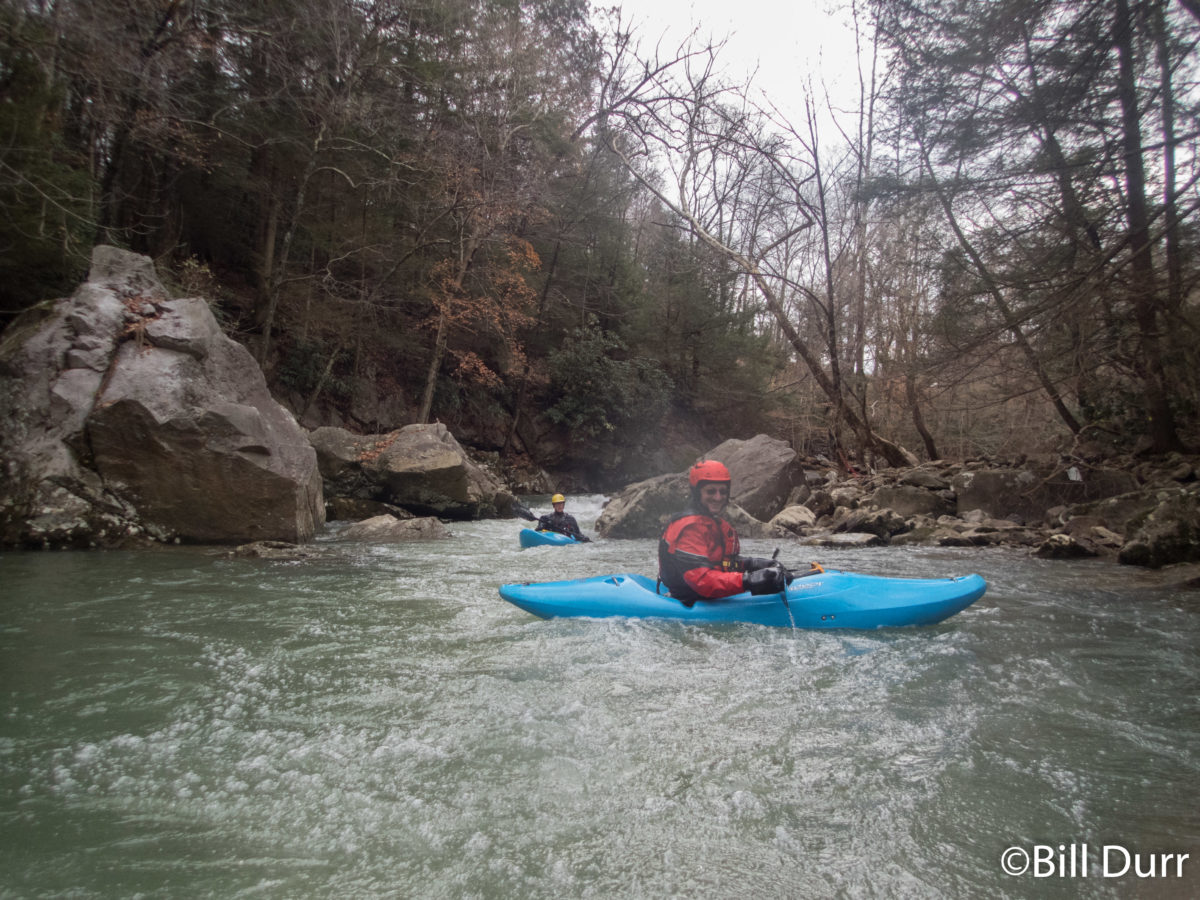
524, 513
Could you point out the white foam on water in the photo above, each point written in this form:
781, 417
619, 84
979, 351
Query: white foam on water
377, 722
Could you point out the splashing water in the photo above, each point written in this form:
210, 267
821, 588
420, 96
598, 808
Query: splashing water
377, 722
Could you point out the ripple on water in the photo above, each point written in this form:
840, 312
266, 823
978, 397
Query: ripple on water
377, 722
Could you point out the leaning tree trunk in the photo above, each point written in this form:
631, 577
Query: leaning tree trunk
435, 363
1011, 322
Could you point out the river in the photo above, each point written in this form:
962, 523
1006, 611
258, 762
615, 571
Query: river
377, 722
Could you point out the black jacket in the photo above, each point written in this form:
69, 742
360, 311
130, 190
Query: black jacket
563, 523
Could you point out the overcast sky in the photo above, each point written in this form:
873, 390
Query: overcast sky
789, 42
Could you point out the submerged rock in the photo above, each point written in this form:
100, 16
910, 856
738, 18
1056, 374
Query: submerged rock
277, 550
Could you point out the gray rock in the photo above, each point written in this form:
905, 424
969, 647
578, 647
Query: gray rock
821, 503
277, 550
800, 493
189, 434
390, 530
749, 527
761, 469
844, 540
1117, 513
995, 492
343, 457
350, 509
924, 535
924, 478
881, 522
795, 519
1028, 493
848, 496
764, 471
124, 413
1065, 546
421, 468
426, 470
1169, 534
911, 500
642, 509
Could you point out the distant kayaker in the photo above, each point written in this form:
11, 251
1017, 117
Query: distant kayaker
699, 553
561, 521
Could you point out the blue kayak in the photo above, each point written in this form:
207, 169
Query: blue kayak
531, 538
831, 599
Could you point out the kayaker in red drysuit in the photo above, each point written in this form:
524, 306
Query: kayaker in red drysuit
699, 553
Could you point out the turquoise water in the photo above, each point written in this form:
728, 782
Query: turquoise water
376, 722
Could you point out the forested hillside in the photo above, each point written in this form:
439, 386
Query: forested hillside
570, 244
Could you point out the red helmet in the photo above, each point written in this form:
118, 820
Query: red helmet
708, 470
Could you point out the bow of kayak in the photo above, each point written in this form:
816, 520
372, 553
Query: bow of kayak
832, 599
531, 538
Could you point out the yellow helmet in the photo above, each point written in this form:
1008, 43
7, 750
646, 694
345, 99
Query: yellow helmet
558, 498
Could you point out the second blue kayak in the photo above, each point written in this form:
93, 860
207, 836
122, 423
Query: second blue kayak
831, 599
531, 538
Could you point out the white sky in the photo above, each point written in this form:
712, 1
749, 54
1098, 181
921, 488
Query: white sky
790, 41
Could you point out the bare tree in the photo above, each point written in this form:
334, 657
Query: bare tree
750, 186
1030, 124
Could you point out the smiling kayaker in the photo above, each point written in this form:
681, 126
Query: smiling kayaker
699, 552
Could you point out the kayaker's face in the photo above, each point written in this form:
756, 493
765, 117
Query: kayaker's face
714, 497
559, 507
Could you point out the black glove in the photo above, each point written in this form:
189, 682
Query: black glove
754, 563
768, 580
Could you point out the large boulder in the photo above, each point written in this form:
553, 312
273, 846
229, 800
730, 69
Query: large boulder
643, 509
764, 470
420, 468
123, 410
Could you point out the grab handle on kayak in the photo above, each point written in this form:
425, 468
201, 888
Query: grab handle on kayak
815, 568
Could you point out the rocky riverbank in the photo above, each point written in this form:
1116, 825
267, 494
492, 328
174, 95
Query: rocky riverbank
128, 417
1144, 513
